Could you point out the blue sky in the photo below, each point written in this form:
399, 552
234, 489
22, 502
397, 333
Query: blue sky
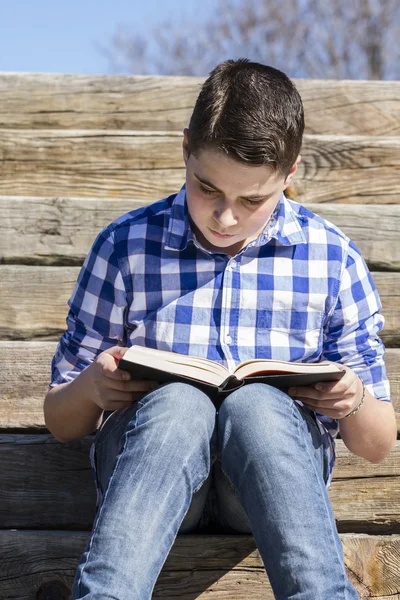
59, 36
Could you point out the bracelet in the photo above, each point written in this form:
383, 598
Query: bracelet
353, 412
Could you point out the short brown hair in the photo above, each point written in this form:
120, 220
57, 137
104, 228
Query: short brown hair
251, 112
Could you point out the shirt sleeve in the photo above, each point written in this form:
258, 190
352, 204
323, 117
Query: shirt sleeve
95, 321
351, 334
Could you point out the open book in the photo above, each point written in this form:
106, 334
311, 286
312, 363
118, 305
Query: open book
215, 379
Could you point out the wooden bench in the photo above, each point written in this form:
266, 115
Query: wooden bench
76, 152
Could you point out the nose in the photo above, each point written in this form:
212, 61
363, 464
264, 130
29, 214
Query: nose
225, 217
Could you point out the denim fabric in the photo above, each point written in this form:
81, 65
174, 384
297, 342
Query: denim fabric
171, 464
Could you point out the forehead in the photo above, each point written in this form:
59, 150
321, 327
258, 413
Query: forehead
226, 173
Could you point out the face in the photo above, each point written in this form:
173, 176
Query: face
229, 202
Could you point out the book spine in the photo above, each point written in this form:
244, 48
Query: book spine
230, 384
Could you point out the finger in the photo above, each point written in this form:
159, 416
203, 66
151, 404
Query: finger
140, 385
335, 387
116, 351
110, 359
319, 411
328, 412
323, 404
124, 401
318, 394
311, 406
135, 385
109, 368
304, 392
119, 396
335, 410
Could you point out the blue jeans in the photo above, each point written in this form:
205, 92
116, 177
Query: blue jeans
262, 453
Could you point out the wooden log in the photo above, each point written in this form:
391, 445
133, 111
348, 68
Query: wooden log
373, 233
149, 165
41, 312
364, 497
46, 484
25, 376
340, 169
91, 163
372, 500
57, 231
33, 302
388, 286
60, 231
35, 563
349, 466
52, 101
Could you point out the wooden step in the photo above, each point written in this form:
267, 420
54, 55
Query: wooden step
149, 165
364, 495
42, 564
52, 101
60, 231
26, 375
33, 302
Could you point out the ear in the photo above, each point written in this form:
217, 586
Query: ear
185, 145
292, 172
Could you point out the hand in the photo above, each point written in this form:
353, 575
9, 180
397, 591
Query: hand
335, 399
112, 388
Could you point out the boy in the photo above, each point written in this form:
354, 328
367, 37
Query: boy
227, 269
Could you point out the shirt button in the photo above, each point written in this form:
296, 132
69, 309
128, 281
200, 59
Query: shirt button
228, 339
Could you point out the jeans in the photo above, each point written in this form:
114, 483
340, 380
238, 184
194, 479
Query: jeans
155, 463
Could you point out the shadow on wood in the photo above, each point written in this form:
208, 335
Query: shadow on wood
54, 590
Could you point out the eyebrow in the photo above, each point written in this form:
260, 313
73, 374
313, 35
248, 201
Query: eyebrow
250, 197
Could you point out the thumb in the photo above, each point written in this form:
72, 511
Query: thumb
116, 352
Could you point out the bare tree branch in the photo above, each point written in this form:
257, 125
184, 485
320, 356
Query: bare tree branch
343, 39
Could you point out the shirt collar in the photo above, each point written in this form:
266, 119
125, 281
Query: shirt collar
284, 225
179, 231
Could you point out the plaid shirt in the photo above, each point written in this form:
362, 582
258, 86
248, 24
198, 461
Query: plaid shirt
301, 292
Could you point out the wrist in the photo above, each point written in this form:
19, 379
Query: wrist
362, 399
86, 391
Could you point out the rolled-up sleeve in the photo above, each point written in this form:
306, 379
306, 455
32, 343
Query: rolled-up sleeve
95, 321
351, 333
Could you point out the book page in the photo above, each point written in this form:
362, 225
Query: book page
198, 368
270, 367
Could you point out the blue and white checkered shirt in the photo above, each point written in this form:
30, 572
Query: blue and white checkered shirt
301, 292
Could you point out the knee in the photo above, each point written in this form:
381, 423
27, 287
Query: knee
181, 403
256, 410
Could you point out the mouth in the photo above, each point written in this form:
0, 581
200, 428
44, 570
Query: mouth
221, 235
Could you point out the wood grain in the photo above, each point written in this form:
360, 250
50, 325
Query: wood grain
60, 231
149, 165
25, 375
197, 567
33, 302
52, 101
364, 499
349, 169
388, 286
41, 310
56, 231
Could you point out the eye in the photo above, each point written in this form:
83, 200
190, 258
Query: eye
254, 202
206, 190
